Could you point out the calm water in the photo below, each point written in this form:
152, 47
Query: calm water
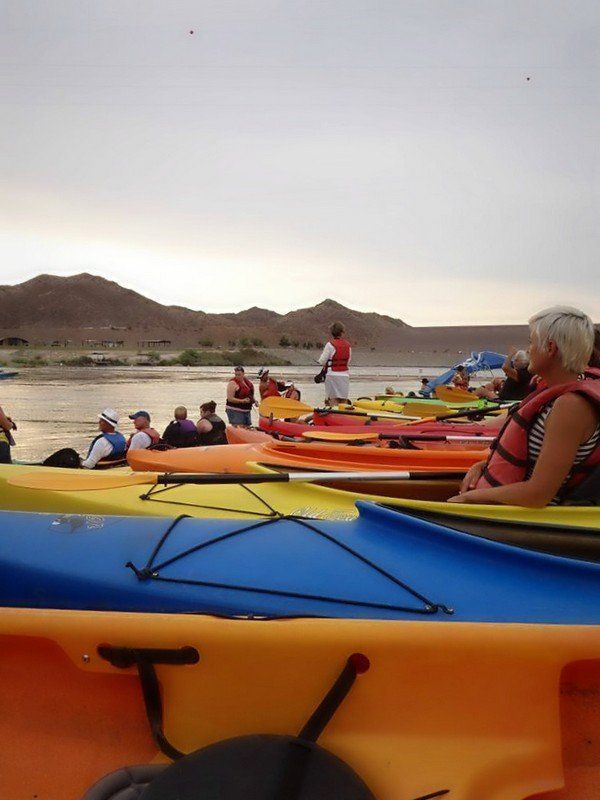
55, 407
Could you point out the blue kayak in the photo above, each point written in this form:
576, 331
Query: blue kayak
4, 375
383, 565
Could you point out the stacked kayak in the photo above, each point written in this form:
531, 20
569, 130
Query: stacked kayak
448, 434
383, 565
307, 455
571, 531
486, 708
327, 418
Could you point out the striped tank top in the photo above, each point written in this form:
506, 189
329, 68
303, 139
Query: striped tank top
536, 440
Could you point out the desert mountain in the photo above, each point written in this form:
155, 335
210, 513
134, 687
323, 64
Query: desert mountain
90, 308
50, 307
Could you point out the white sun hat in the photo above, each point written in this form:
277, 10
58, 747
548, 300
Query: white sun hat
110, 415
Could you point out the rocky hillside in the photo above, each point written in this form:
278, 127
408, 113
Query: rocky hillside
92, 310
90, 307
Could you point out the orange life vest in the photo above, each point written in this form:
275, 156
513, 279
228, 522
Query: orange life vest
508, 461
154, 436
339, 361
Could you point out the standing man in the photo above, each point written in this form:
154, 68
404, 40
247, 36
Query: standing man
144, 435
110, 444
336, 355
240, 398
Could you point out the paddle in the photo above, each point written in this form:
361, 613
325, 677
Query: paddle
88, 481
472, 412
285, 408
319, 435
369, 436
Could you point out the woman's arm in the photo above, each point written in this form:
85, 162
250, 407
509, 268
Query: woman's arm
204, 426
571, 422
507, 367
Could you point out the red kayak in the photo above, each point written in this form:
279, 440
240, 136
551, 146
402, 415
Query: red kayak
296, 429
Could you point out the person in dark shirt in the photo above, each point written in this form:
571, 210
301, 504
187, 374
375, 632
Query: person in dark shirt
181, 432
518, 378
595, 359
210, 426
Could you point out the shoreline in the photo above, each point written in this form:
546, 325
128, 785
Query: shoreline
40, 358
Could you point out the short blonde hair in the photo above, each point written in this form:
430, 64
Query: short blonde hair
180, 412
570, 329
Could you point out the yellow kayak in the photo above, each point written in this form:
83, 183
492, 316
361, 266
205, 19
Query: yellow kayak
467, 711
225, 500
572, 530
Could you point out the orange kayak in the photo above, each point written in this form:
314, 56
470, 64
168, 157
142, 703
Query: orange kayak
301, 455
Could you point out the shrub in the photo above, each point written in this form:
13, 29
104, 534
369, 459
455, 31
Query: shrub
206, 342
79, 361
190, 358
284, 342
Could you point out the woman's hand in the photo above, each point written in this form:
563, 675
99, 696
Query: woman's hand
470, 480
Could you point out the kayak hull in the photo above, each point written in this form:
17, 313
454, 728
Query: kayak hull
383, 565
495, 706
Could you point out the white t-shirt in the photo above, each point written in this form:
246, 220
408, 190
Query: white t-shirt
101, 449
328, 353
140, 441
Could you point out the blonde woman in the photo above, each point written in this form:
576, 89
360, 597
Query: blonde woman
551, 443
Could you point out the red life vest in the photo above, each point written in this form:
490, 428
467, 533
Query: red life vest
271, 389
341, 357
154, 436
508, 461
245, 388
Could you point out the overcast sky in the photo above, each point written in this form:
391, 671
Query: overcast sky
436, 161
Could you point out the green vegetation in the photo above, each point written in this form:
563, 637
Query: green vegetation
284, 342
248, 356
206, 343
88, 361
33, 360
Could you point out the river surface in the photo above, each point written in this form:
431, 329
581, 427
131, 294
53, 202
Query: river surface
58, 407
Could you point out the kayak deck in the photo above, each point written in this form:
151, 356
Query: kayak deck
519, 719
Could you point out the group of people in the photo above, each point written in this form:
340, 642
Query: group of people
335, 374
547, 449
241, 395
110, 444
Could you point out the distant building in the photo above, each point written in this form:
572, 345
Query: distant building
155, 343
102, 343
13, 341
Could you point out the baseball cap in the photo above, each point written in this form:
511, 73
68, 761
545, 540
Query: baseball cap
110, 415
140, 414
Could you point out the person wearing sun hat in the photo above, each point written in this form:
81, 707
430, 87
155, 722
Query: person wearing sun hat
109, 444
144, 435
267, 386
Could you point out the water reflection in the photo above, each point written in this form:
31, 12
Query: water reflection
57, 407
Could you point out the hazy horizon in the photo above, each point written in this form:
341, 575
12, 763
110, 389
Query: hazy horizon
430, 160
